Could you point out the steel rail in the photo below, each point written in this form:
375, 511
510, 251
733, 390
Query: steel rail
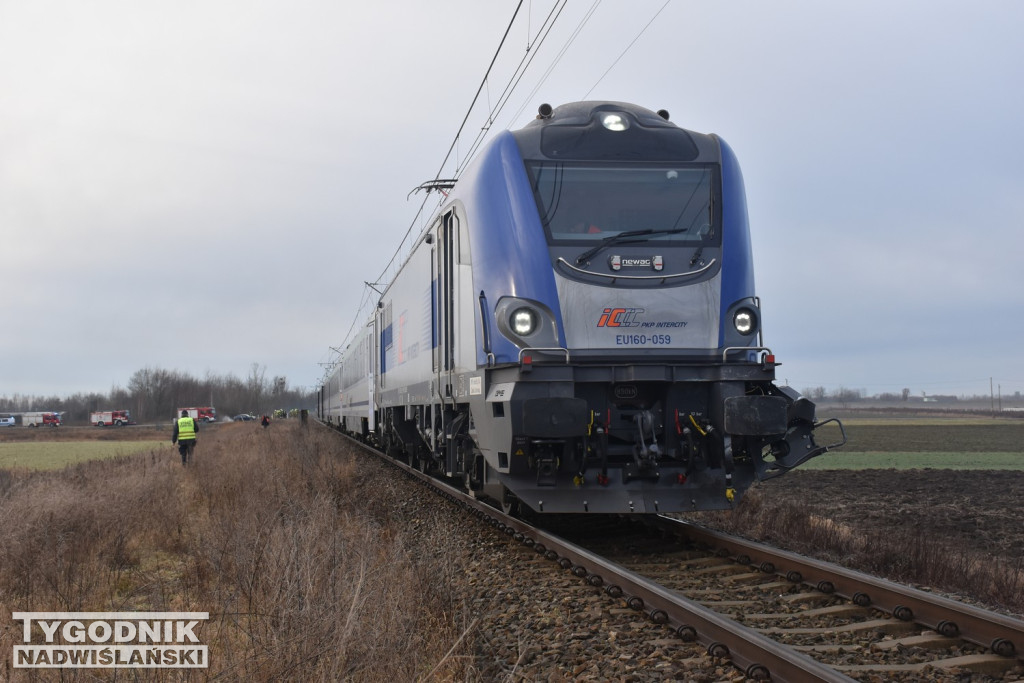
1002, 634
756, 655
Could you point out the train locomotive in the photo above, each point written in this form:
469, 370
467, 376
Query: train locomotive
576, 330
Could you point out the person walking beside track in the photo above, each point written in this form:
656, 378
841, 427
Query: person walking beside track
185, 429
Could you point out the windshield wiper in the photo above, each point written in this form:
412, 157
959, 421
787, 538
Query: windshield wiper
625, 237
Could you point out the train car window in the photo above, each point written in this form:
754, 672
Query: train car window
590, 202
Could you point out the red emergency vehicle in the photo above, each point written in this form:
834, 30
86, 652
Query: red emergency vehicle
111, 418
204, 414
41, 419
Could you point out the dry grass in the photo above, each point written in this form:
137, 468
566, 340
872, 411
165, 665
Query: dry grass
264, 531
913, 556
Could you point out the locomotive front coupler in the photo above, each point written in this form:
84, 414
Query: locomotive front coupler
545, 456
644, 420
799, 446
645, 459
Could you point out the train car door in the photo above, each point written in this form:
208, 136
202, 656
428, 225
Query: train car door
370, 366
445, 302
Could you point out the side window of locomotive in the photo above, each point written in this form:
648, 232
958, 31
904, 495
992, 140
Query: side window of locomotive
590, 202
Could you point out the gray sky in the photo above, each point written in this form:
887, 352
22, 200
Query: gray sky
200, 186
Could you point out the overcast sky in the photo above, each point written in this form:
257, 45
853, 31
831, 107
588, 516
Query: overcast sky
200, 186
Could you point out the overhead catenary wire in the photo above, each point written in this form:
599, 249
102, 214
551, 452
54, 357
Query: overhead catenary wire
527, 60
532, 50
623, 54
405, 238
565, 48
359, 317
472, 104
462, 126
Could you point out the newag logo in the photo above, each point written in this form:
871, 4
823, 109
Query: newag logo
110, 640
619, 317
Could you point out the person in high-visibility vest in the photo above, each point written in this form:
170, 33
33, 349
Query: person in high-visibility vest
185, 429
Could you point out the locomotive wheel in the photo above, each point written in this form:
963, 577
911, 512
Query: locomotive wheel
510, 504
392, 449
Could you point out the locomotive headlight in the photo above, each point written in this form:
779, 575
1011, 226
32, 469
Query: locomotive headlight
744, 321
615, 122
523, 321
527, 323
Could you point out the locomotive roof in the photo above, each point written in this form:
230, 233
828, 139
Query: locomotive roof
609, 131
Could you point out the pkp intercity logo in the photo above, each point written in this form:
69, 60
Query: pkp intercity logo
619, 317
110, 640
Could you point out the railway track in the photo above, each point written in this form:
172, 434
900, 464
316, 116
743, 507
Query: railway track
847, 620
775, 615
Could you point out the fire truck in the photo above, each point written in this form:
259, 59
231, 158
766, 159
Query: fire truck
205, 414
111, 418
41, 419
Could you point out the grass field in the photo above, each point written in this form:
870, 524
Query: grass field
897, 442
51, 455
923, 442
913, 460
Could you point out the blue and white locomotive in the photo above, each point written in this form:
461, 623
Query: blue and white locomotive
577, 329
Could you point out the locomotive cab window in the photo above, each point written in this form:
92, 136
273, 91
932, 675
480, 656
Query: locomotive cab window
670, 203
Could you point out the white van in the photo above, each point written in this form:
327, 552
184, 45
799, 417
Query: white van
6, 420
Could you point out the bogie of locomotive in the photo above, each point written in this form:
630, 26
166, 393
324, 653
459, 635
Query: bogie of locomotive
577, 330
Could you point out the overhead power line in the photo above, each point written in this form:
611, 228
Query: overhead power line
479, 90
561, 53
532, 50
437, 177
627, 49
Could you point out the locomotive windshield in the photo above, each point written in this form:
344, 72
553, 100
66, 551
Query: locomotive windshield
591, 202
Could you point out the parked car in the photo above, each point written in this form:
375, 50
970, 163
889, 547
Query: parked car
244, 418
6, 420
